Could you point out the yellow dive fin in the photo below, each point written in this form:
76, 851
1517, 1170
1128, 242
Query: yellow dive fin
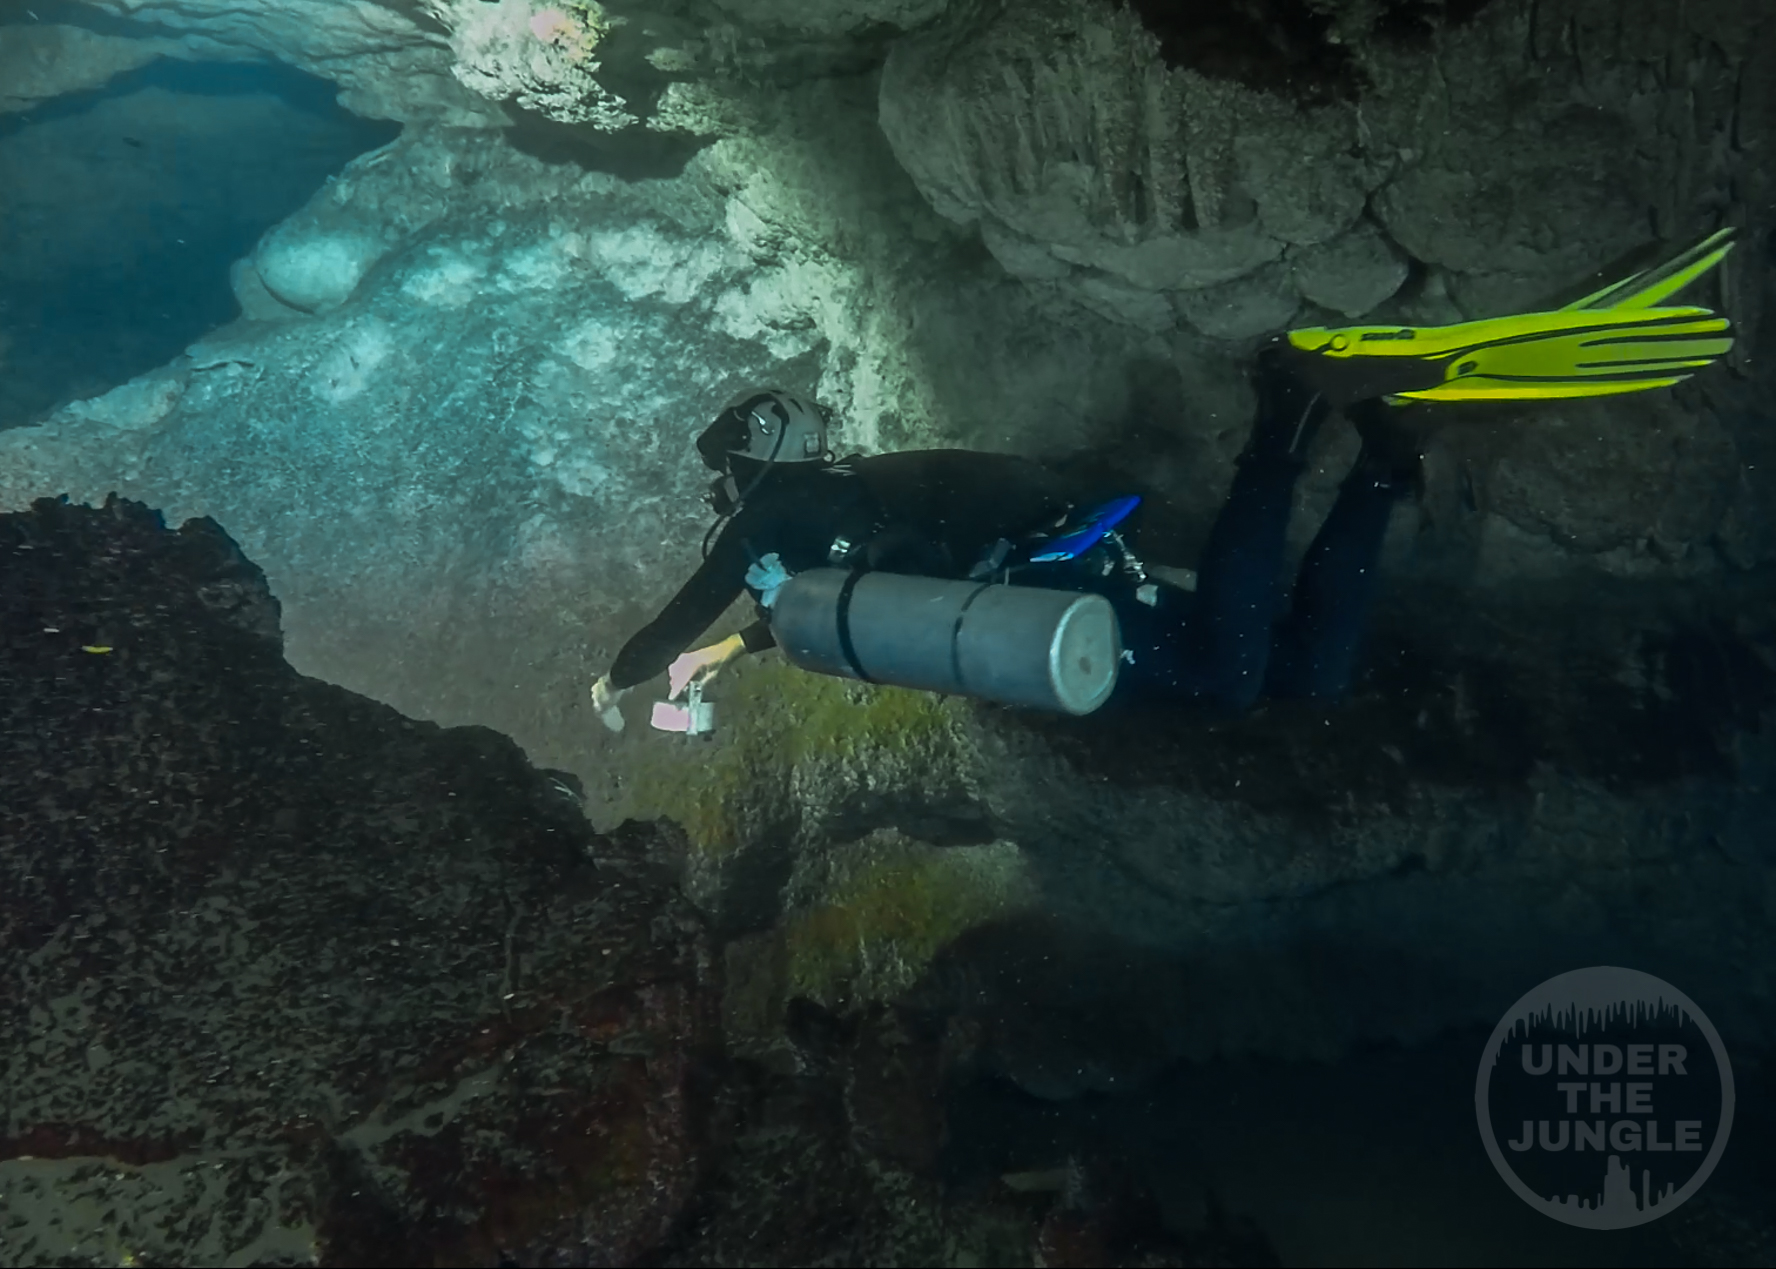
1646, 288
1619, 339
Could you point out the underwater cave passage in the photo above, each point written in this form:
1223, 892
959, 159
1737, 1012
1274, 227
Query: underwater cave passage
124, 208
1286, 46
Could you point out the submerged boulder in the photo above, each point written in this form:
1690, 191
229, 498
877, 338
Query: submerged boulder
286, 977
289, 977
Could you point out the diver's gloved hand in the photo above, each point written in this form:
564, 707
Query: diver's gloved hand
767, 577
702, 664
605, 700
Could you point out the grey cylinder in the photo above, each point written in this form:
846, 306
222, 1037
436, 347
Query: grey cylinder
1016, 645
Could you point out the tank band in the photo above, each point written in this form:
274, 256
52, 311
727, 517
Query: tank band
956, 633
844, 624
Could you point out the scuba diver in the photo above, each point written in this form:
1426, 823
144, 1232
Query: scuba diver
934, 531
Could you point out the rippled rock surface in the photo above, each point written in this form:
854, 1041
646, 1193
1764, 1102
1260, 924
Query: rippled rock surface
286, 975
288, 978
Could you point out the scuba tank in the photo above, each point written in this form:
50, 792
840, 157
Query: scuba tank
1014, 645
1027, 645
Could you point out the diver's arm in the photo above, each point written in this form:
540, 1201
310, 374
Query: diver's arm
703, 599
705, 663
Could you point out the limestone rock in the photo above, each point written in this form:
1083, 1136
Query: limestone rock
1529, 160
1526, 768
257, 304
1177, 263
286, 976
1022, 258
545, 57
124, 210
1243, 309
866, 920
462, 451
1353, 273
42, 61
312, 270
1062, 125
1051, 119
1303, 169
391, 61
834, 17
1635, 478
535, 349
313, 973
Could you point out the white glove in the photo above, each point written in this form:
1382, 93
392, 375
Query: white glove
605, 700
767, 577
702, 664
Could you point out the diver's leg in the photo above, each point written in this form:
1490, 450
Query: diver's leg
1155, 665
1239, 586
1315, 650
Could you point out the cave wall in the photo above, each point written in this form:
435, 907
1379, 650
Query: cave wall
128, 203
1510, 154
391, 61
460, 399
454, 420
287, 978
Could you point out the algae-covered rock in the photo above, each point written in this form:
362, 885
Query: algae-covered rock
870, 917
799, 760
864, 924
1494, 801
288, 978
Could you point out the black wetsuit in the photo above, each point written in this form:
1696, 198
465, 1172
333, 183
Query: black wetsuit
1237, 636
931, 512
